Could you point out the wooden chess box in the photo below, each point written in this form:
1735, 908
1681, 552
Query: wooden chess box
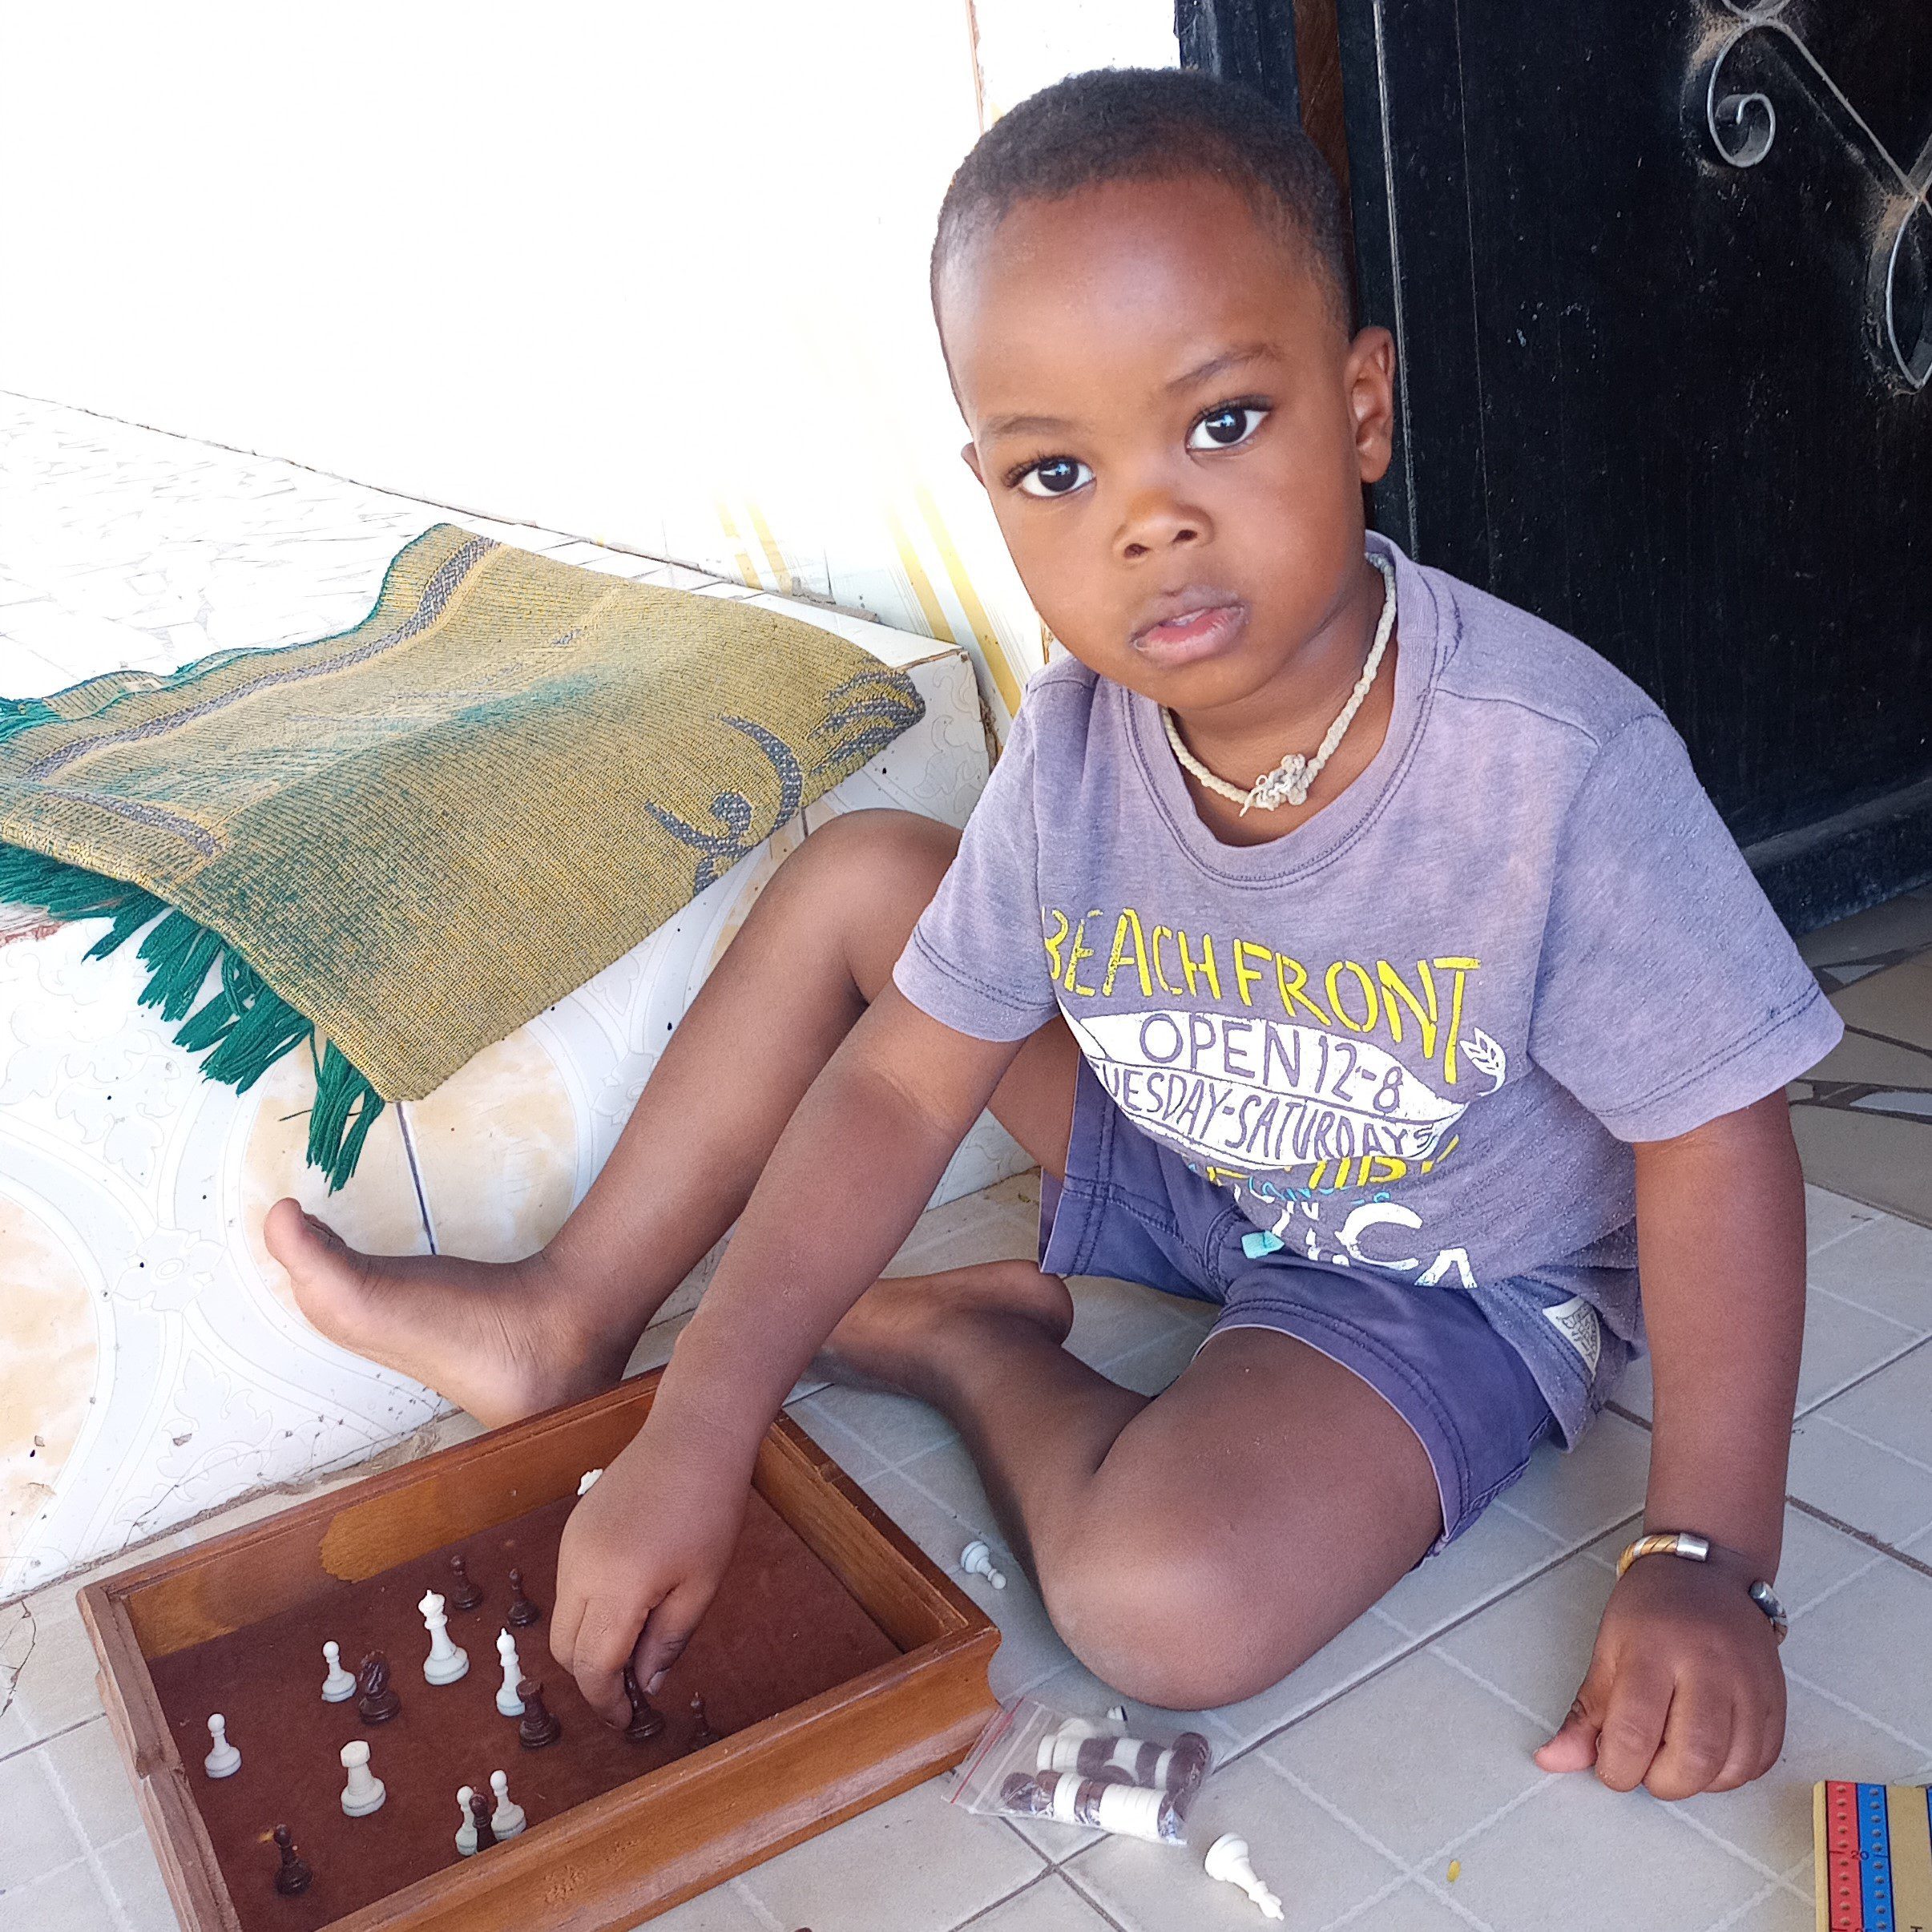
838, 1665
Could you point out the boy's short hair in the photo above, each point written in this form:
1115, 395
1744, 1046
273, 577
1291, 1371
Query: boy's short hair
1151, 123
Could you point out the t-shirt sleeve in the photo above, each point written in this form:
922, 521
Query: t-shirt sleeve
1668, 992
975, 961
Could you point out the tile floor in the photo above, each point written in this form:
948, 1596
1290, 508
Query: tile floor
1401, 1747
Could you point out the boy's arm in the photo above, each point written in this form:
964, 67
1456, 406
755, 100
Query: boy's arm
643, 1551
1684, 1693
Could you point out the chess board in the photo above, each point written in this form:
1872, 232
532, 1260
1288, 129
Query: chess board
837, 1667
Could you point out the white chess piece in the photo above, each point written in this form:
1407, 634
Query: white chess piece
466, 1832
1228, 1859
223, 1760
976, 1559
339, 1686
585, 1481
507, 1820
365, 1792
507, 1701
446, 1662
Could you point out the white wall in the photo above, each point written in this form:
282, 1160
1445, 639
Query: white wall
650, 272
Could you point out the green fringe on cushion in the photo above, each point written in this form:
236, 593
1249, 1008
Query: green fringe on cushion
242, 1026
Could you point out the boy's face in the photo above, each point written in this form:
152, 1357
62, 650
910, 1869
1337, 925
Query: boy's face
1155, 484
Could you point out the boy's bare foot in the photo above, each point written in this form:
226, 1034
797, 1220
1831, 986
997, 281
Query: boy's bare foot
496, 1337
894, 1332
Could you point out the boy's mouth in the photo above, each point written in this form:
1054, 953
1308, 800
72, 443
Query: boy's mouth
1192, 634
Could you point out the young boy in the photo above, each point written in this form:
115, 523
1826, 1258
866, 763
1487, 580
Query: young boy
1413, 1072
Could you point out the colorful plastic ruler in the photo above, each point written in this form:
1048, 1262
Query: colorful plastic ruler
1875, 1859
1835, 1841
1909, 1815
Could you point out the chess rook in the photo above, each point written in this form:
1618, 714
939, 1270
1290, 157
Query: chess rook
223, 1760
365, 1792
464, 1594
508, 1703
338, 1687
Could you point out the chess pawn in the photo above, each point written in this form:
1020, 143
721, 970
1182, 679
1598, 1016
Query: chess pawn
479, 1811
976, 1559
294, 1874
522, 1612
338, 1687
540, 1726
702, 1734
466, 1832
647, 1719
223, 1760
463, 1594
508, 1703
365, 1792
1228, 1859
446, 1662
507, 1820
378, 1703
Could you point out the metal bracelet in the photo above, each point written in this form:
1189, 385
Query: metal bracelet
1697, 1549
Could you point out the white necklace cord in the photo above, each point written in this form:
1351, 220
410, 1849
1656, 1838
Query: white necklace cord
1289, 783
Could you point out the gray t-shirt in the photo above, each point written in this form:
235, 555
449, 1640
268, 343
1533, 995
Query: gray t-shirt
1417, 1032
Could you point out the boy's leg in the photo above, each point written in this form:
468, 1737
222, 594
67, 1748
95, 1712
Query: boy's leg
1191, 1549
504, 1340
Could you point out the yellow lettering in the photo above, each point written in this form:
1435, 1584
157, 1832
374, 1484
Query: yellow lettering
1129, 923
1206, 969
1167, 986
1460, 968
1396, 990
1244, 974
1378, 1169
1077, 951
1053, 939
1291, 977
1368, 989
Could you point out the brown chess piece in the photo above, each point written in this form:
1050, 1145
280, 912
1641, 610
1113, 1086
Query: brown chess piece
479, 1812
522, 1612
703, 1735
378, 1703
539, 1725
294, 1874
647, 1719
462, 1594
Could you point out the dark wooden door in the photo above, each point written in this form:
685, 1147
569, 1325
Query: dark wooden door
1661, 281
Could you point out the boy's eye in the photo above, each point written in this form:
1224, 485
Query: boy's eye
1224, 426
1055, 477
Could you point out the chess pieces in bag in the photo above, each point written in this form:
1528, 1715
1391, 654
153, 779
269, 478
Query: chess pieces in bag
378, 1703
508, 1703
464, 1594
976, 1559
522, 1612
446, 1662
365, 1792
1179, 1768
647, 1719
540, 1726
1129, 1809
1228, 1859
466, 1832
507, 1820
479, 1812
223, 1760
339, 1686
294, 1874
702, 1733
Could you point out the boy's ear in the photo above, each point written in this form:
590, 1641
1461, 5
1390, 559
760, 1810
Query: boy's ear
970, 453
1371, 393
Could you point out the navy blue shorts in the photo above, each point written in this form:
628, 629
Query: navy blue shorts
1132, 1209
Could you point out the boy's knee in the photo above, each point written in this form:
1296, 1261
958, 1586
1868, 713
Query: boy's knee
1166, 1619
877, 847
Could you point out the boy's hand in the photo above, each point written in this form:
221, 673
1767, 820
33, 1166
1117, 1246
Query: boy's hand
1684, 1693
641, 1556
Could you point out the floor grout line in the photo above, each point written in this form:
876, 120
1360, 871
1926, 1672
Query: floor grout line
1870, 1541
